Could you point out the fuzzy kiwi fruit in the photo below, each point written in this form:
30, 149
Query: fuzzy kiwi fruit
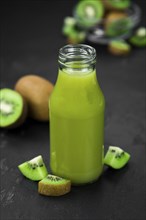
36, 91
117, 23
88, 13
54, 186
34, 169
119, 47
139, 38
116, 4
13, 108
116, 157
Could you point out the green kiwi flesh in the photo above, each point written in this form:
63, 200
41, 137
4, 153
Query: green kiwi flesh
119, 47
89, 12
13, 109
54, 186
116, 157
34, 169
139, 39
117, 4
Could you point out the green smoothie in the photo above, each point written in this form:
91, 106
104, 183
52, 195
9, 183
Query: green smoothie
77, 126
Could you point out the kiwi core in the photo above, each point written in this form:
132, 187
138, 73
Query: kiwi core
11, 107
90, 11
6, 108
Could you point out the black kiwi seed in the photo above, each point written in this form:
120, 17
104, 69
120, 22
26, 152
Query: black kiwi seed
57, 178
122, 153
54, 178
34, 166
113, 151
118, 156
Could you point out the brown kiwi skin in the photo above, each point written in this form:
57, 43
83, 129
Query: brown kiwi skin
36, 91
54, 190
21, 119
114, 16
117, 52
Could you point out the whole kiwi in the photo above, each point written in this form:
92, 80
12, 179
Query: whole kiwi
117, 23
36, 91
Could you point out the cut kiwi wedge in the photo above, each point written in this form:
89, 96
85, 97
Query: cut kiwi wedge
68, 25
116, 157
72, 32
76, 37
54, 186
117, 23
13, 108
34, 169
89, 12
139, 38
119, 47
117, 4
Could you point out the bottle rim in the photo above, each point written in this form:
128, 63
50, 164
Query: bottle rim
81, 53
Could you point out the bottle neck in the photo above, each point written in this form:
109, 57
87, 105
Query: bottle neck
77, 59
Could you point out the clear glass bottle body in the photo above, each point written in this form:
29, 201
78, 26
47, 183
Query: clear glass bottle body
77, 117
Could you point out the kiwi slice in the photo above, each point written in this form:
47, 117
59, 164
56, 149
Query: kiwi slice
13, 109
72, 32
89, 12
116, 157
116, 4
117, 23
76, 37
54, 186
139, 39
34, 169
119, 47
68, 25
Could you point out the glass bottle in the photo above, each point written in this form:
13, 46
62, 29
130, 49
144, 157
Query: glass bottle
77, 117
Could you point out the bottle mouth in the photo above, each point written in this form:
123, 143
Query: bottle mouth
77, 56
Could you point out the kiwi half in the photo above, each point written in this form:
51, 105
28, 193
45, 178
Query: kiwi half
116, 157
139, 38
13, 108
117, 23
34, 169
89, 12
119, 47
116, 4
54, 186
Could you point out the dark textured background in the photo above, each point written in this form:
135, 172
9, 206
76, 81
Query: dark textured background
31, 37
